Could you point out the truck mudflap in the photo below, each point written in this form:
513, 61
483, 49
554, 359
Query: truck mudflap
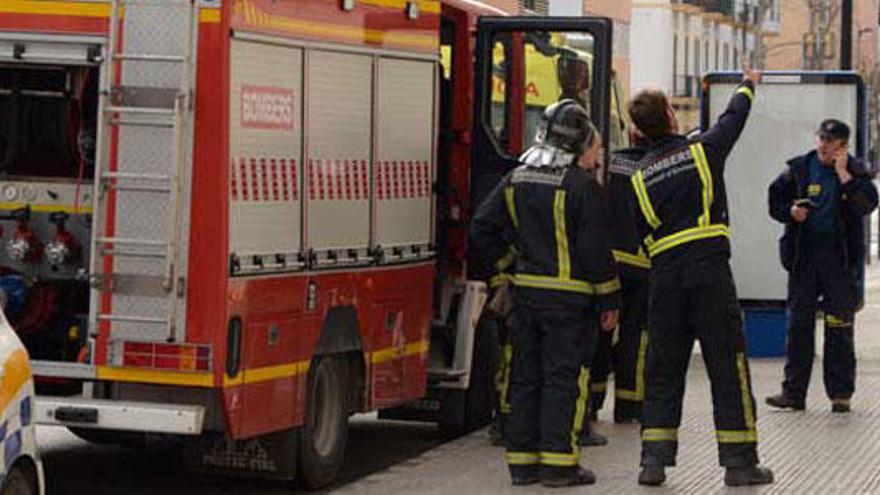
269, 456
173, 419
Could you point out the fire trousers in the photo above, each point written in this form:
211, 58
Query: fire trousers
821, 273
697, 301
625, 356
548, 382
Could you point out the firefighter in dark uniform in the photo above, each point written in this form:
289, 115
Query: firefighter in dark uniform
551, 211
684, 226
822, 199
626, 354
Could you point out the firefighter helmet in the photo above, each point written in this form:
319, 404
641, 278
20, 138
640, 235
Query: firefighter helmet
573, 74
567, 126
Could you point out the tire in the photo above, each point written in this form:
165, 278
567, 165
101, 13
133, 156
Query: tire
462, 411
325, 433
110, 437
18, 483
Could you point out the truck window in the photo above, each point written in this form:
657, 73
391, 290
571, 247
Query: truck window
530, 72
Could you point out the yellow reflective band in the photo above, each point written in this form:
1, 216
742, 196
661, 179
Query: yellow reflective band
503, 378
631, 259
745, 391
522, 458
558, 459
638, 394
748, 92
608, 287
554, 283
660, 434
506, 260
599, 387
561, 236
638, 182
580, 410
511, 205
706, 180
499, 279
687, 235
832, 321
737, 436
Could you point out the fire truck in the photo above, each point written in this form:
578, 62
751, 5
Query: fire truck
238, 222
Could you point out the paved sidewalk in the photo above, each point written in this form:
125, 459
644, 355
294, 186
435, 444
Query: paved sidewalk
810, 452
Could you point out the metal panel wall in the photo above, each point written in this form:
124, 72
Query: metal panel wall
339, 140
405, 157
265, 129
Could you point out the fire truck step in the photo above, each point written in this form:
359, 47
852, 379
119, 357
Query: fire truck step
142, 111
140, 123
132, 254
144, 57
445, 374
139, 242
124, 175
147, 189
132, 319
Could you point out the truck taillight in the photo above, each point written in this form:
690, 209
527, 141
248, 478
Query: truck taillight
179, 357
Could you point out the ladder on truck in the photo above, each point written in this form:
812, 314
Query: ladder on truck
141, 174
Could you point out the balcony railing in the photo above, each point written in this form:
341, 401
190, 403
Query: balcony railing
686, 86
726, 7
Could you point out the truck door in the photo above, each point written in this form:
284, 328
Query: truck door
524, 64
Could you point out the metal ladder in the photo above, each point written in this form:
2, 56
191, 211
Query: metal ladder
136, 111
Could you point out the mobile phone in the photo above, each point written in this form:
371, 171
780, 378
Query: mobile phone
805, 203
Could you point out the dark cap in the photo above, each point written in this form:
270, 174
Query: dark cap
833, 129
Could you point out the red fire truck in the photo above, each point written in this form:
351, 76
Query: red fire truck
241, 221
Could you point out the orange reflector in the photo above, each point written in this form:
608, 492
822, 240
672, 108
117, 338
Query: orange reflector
161, 356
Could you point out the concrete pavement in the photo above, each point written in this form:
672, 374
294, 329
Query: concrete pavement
810, 452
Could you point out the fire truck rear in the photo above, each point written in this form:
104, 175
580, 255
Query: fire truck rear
234, 222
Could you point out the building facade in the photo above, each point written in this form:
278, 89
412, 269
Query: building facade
675, 42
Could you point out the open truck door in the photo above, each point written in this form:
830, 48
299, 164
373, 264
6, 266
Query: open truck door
775, 133
523, 65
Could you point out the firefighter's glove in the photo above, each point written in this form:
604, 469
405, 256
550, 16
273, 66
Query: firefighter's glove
501, 303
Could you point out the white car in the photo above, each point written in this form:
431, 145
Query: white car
21, 471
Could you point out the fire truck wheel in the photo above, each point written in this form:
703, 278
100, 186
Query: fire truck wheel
18, 482
462, 411
325, 433
110, 437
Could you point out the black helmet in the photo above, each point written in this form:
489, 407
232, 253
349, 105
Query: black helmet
573, 74
567, 126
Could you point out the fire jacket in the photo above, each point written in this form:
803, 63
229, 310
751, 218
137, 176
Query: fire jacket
632, 260
680, 189
552, 218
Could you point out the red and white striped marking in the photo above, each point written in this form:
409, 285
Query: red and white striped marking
264, 180
274, 180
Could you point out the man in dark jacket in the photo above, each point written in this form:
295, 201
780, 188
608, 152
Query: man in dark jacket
822, 199
550, 210
684, 224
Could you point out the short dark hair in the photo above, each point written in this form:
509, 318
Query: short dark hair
648, 111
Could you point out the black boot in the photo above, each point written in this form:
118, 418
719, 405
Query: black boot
576, 477
652, 475
592, 439
782, 401
840, 406
752, 475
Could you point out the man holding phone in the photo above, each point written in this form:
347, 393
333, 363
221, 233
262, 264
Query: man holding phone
822, 199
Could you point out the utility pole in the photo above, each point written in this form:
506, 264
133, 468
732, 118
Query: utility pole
846, 15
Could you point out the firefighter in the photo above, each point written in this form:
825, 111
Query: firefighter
684, 226
822, 199
625, 355
573, 74
551, 211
